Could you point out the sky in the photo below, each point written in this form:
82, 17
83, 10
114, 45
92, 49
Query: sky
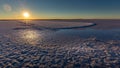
60, 9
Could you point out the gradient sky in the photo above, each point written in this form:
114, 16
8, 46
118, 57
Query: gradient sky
61, 9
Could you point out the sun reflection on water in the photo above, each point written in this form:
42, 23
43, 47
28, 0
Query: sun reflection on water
30, 36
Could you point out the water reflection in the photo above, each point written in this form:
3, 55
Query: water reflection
30, 36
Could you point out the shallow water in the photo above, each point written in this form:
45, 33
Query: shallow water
112, 34
33, 36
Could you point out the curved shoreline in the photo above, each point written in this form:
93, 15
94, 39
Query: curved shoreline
76, 27
60, 25
57, 25
73, 27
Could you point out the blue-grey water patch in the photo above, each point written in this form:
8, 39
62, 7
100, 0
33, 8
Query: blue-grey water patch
112, 34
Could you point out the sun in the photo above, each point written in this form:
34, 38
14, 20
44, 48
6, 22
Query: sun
26, 14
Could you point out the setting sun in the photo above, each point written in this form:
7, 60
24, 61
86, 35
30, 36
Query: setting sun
26, 14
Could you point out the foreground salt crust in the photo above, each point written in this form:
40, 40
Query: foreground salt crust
80, 53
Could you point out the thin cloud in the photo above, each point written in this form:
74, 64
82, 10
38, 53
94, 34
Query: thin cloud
7, 7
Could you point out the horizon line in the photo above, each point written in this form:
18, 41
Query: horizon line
64, 19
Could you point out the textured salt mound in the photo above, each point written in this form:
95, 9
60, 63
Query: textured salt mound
58, 24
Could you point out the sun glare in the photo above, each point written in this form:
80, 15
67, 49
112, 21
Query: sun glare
26, 14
